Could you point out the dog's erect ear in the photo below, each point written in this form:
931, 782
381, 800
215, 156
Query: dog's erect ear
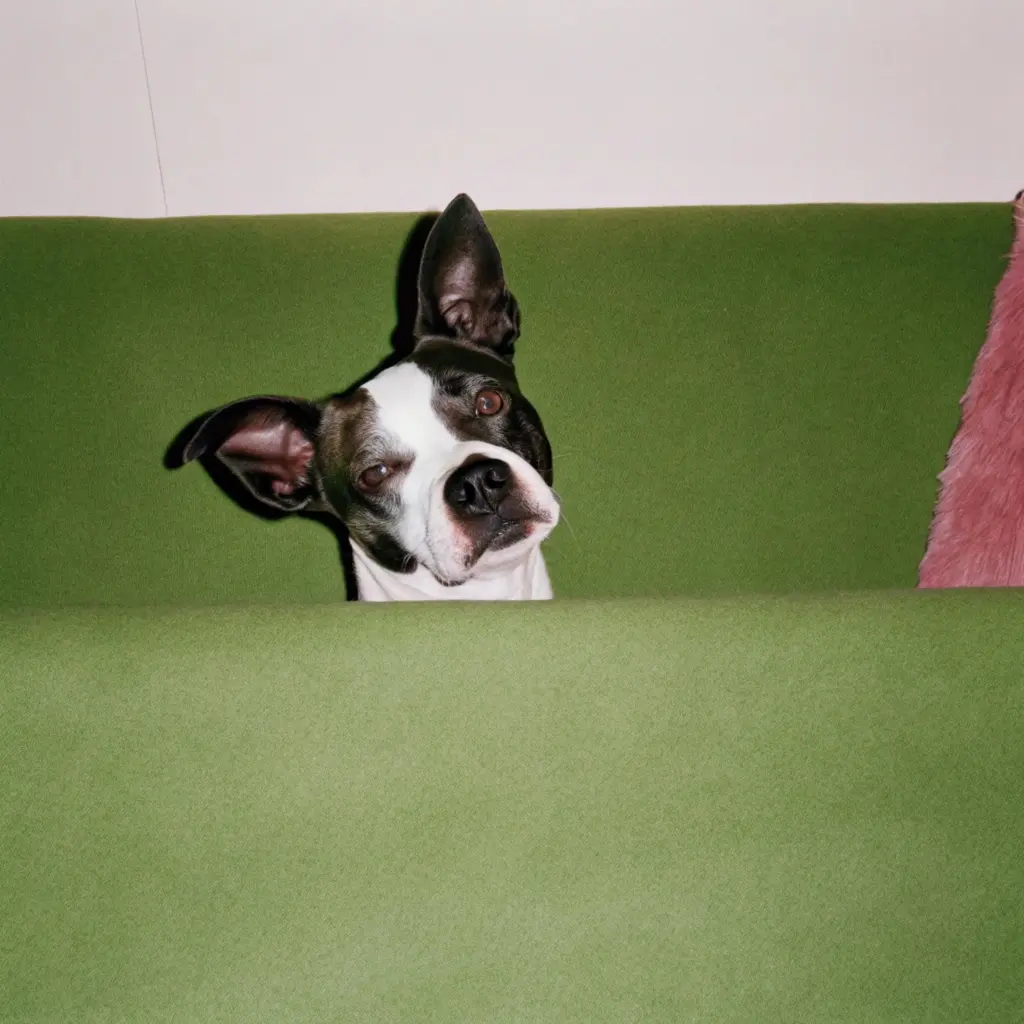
462, 291
267, 443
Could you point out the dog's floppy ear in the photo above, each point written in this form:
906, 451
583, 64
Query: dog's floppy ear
462, 292
268, 444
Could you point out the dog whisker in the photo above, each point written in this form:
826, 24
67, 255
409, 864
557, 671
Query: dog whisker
572, 533
564, 518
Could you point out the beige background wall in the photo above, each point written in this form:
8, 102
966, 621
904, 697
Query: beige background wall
257, 106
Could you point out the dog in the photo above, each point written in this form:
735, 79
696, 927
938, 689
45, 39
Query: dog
438, 466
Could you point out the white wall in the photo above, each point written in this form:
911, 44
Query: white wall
309, 105
76, 136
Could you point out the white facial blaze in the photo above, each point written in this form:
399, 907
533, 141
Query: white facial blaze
407, 418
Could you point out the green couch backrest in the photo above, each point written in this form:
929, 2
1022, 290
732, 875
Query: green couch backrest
739, 399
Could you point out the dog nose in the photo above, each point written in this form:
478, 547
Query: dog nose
477, 488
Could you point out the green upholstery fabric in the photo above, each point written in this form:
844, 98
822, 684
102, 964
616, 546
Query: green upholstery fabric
739, 399
755, 809
227, 796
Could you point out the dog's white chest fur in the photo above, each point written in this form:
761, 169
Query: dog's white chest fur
527, 581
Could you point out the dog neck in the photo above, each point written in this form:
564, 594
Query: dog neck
527, 580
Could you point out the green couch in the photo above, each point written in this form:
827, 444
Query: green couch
737, 771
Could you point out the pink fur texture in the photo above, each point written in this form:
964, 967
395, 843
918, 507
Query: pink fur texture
977, 535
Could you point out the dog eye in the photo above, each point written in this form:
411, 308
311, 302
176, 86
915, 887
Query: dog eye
370, 479
489, 403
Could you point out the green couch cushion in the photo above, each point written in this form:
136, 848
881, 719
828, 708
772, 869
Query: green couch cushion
726, 810
739, 399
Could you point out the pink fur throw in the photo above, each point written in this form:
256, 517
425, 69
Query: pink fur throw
977, 535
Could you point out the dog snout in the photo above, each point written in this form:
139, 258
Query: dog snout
478, 487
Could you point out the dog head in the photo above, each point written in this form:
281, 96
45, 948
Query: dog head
437, 460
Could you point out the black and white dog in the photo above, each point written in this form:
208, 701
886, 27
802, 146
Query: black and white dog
438, 466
